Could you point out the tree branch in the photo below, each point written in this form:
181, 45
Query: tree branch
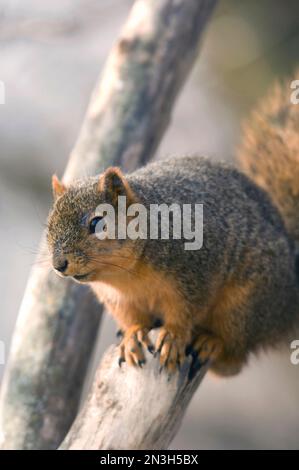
130, 408
128, 114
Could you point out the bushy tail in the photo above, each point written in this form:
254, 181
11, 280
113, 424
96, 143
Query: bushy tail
269, 152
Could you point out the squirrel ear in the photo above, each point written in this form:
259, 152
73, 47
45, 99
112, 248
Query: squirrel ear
58, 187
113, 184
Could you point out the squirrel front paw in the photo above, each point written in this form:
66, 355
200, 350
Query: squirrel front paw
131, 347
171, 347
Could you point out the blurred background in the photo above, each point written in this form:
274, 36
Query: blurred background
51, 53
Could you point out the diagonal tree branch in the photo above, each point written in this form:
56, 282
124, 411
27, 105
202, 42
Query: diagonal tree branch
130, 408
128, 114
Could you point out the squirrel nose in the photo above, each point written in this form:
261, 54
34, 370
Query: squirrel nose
61, 265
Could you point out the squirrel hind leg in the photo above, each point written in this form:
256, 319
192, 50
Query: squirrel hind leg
229, 364
207, 347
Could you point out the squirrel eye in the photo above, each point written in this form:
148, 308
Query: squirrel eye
97, 223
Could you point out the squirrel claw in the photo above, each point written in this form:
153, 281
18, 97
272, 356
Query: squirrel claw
171, 349
205, 348
132, 344
120, 361
195, 366
189, 351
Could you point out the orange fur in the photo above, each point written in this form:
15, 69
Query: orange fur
135, 301
230, 298
57, 187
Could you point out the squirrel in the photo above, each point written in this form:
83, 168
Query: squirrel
236, 295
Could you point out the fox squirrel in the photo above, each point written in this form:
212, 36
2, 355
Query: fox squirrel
239, 293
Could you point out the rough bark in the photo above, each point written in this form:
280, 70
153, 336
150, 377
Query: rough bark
128, 114
132, 408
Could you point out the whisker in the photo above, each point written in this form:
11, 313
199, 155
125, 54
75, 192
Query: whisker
130, 271
157, 278
39, 260
103, 263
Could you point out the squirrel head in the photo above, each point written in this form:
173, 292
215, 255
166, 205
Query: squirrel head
79, 237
